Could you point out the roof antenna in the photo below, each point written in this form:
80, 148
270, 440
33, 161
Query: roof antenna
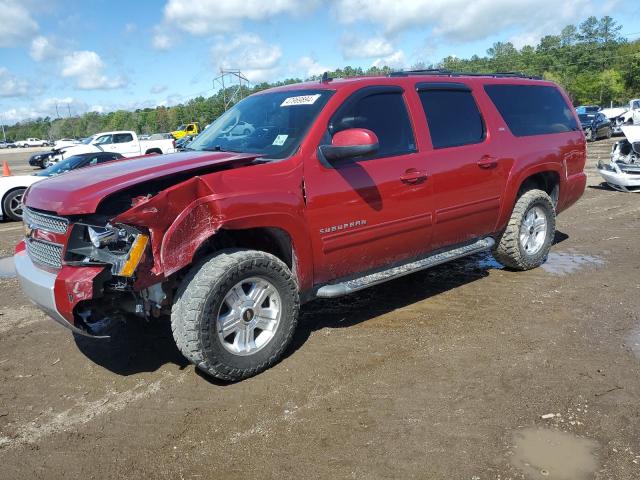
325, 78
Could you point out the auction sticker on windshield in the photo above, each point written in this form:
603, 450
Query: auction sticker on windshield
280, 139
300, 100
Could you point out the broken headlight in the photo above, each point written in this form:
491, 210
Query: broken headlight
605, 166
120, 246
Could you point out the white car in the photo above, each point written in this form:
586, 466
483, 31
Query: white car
31, 142
622, 172
65, 142
12, 188
126, 143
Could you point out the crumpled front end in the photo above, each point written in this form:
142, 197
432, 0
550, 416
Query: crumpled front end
622, 172
81, 274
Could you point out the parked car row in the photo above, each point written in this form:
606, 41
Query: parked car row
12, 188
616, 116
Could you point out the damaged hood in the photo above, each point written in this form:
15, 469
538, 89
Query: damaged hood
632, 132
81, 191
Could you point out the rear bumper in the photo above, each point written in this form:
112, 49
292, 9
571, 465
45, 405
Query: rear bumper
40, 287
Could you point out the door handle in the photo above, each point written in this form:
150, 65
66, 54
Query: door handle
413, 176
487, 162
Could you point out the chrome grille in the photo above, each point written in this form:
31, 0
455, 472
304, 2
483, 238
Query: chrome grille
50, 223
44, 253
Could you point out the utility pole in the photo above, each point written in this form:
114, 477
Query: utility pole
4, 135
237, 93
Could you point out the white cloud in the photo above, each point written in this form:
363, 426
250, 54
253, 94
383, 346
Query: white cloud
310, 67
257, 59
355, 47
161, 41
203, 17
12, 86
130, 28
45, 108
42, 49
396, 60
158, 88
461, 20
87, 68
16, 24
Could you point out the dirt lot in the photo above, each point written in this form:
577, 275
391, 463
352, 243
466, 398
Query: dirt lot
466, 371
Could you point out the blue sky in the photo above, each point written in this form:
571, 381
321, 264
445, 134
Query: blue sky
103, 55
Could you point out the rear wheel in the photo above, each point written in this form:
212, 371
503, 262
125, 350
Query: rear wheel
12, 204
526, 241
235, 313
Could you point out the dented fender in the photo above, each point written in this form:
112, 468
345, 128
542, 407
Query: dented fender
184, 216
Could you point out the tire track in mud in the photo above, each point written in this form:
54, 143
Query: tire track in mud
84, 412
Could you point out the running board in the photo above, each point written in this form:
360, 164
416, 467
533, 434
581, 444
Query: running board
360, 283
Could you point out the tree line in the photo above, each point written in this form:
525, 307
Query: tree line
593, 62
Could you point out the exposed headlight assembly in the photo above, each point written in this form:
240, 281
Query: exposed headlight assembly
120, 246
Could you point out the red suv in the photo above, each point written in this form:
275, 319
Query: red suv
332, 187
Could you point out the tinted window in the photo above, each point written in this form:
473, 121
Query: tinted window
385, 114
453, 117
103, 140
532, 109
122, 138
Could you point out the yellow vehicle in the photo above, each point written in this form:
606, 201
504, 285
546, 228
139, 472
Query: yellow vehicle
192, 128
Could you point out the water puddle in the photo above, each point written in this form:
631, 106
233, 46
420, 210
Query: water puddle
566, 263
543, 453
633, 342
7, 268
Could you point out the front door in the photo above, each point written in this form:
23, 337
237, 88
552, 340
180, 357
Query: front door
370, 211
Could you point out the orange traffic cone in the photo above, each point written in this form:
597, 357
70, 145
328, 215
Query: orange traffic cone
6, 171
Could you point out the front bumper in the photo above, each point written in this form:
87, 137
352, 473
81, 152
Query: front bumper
41, 287
620, 178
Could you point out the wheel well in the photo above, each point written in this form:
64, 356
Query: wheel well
546, 181
271, 240
153, 150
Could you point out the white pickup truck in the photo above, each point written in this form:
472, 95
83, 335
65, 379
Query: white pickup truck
31, 142
126, 143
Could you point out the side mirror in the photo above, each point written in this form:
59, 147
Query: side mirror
350, 143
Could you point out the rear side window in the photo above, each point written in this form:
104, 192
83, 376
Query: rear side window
453, 117
532, 109
122, 138
385, 114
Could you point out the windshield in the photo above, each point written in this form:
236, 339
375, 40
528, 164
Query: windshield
87, 141
269, 124
585, 117
180, 127
62, 166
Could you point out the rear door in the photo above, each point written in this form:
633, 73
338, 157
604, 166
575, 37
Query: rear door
467, 172
125, 144
375, 210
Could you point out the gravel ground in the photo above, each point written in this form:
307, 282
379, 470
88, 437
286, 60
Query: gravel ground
465, 371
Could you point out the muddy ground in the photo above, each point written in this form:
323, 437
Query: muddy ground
466, 371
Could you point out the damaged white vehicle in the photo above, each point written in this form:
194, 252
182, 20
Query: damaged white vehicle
619, 116
623, 171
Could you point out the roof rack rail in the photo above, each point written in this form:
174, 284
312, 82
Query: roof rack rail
449, 73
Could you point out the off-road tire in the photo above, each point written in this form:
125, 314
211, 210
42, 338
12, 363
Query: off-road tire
508, 250
198, 299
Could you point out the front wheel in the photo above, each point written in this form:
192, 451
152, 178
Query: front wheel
235, 313
12, 204
526, 241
